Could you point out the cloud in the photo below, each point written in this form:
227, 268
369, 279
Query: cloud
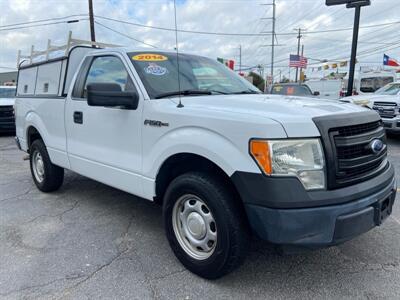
235, 16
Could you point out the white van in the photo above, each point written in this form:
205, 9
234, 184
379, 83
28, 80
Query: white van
327, 88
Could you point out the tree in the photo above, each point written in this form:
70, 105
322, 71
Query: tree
258, 81
285, 80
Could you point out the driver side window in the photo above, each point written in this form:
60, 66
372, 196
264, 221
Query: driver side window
108, 69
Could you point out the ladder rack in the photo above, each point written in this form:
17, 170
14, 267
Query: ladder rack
71, 42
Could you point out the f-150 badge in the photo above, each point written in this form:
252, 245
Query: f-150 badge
155, 123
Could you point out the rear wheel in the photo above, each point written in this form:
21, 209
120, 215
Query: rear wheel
205, 225
47, 176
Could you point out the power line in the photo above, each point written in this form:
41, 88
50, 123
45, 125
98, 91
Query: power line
301, 18
242, 34
44, 20
182, 30
125, 35
46, 24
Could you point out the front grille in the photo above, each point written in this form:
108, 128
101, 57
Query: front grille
385, 103
386, 109
357, 129
355, 159
347, 141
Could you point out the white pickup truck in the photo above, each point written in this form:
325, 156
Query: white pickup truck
386, 102
222, 159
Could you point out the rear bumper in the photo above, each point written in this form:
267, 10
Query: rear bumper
321, 225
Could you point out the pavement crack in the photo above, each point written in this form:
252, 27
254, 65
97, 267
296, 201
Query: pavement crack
59, 215
169, 274
35, 286
19, 195
92, 274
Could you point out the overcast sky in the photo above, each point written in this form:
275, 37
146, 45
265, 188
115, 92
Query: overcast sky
223, 16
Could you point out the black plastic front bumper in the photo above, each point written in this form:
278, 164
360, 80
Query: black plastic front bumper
282, 212
7, 125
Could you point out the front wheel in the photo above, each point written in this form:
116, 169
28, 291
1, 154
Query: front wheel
205, 225
47, 177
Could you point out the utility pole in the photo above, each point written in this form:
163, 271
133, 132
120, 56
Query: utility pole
240, 59
299, 36
273, 37
301, 69
91, 21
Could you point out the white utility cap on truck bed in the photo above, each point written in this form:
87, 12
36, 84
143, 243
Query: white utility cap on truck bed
49, 72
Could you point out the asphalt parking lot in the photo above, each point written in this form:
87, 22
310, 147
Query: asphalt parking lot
90, 241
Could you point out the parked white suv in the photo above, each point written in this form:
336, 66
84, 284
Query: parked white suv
222, 159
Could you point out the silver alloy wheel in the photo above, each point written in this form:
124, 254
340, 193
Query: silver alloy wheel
38, 166
194, 227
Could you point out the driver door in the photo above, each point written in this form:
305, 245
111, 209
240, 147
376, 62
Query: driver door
104, 143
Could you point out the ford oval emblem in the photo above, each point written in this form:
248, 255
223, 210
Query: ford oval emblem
376, 146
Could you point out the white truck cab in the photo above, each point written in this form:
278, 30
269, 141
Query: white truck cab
223, 159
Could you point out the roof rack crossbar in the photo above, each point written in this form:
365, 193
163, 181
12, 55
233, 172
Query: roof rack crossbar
71, 42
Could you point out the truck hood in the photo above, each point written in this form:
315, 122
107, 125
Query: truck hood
7, 101
295, 114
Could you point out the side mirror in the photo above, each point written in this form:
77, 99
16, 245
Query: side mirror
111, 95
316, 93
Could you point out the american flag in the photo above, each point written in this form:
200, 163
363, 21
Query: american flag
297, 61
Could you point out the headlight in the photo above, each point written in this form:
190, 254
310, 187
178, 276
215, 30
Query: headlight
362, 102
302, 158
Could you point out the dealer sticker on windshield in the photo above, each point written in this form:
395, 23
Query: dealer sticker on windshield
155, 69
149, 57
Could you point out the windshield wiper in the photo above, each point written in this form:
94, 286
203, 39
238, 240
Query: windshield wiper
218, 92
246, 92
183, 93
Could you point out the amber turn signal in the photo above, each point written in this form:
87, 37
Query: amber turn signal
259, 149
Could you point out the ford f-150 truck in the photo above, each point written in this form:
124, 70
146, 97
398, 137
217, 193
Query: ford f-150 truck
223, 159
386, 102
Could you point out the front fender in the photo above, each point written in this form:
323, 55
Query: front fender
203, 142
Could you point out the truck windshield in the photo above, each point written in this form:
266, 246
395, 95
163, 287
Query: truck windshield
198, 75
291, 90
7, 92
371, 84
390, 89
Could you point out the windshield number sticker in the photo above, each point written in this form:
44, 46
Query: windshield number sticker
154, 69
290, 90
149, 57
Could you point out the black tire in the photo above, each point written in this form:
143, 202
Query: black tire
53, 175
232, 228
